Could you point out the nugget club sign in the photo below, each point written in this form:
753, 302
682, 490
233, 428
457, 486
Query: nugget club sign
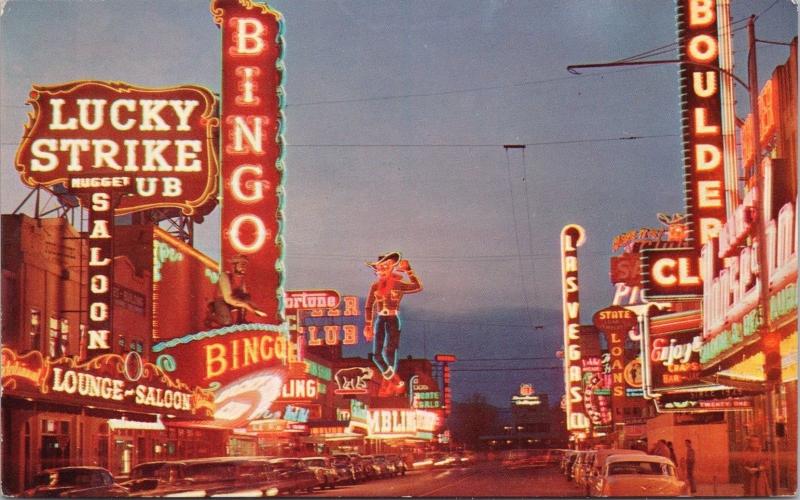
154, 145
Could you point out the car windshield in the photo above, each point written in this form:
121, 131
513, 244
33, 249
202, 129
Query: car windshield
146, 471
210, 471
316, 462
640, 467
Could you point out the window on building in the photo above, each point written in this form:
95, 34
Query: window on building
53, 335
35, 330
64, 338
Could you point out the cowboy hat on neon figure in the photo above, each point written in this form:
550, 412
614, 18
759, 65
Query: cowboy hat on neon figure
233, 301
395, 278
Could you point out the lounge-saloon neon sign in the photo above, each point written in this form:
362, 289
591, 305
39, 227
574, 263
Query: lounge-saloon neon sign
118, 381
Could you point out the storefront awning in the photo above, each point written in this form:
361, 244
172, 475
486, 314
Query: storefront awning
119, 423
337, 436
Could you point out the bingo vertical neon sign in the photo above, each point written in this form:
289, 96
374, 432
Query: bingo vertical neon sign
252, 146
572, 237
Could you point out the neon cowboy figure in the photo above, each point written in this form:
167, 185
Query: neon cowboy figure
384, 299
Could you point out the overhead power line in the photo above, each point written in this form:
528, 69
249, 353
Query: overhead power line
482, 145
531, 369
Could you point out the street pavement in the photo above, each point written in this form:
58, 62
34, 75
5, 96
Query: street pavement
489, 479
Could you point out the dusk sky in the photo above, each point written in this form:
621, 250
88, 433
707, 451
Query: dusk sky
396, 118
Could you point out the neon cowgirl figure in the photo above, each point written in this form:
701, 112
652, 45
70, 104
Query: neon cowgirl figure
384, 299
232, 302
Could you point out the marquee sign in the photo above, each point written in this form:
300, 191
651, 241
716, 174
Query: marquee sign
572, 237
596, 391
216, 357
615, 322
674, 360
251, 145
109, 381
701, 118
404, 422
423, 395
154, 144
671, 274
692, 405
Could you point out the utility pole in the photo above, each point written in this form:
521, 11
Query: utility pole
771, 371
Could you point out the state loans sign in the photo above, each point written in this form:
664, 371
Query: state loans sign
156, 145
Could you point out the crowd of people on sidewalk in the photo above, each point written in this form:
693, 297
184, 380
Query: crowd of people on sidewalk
756, 483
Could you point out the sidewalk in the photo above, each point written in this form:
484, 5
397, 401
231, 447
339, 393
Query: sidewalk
728, 490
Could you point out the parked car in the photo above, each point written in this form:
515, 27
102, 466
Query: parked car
324, 469
364, 466
596, 468
569, 461
293, 475
582, 476
399, 464
385, 467
204, 477
149, 476
641, 476
79, 481
371, 469
577, 466
349, 466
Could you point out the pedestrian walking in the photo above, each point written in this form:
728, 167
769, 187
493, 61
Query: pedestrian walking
660, 449
757, 484
672, 453
690, 460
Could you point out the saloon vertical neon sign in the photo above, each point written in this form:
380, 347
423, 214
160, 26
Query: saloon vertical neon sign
572, 237
252, 146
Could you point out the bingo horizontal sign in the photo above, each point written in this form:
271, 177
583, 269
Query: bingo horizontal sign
155, 145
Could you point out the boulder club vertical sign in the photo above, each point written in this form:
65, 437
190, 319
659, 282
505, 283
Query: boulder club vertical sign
251, 147
572, 237
701, 118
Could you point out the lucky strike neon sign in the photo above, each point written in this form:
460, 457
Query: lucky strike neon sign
572, 237
251, 151
701, 112
154, 144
